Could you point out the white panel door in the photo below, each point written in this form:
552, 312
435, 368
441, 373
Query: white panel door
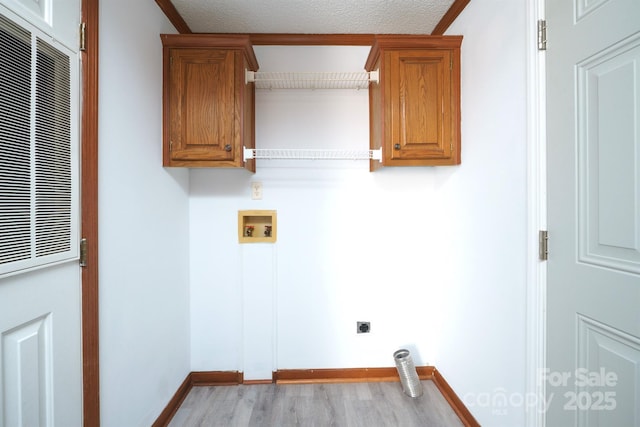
40, 348
40, 291
593, 145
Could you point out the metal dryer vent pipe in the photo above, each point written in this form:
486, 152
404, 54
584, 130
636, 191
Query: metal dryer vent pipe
408, 375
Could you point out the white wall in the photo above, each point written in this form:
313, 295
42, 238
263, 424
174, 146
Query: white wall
143, 208
486, 347
433, 257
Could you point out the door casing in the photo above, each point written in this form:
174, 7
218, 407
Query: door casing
89, 216
536, 218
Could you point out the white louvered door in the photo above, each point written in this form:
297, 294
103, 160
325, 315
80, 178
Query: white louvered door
40, 303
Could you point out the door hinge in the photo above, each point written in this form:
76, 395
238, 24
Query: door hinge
83, 36
543, 245
83, 252
542, 34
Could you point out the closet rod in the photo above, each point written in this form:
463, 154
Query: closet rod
311, 154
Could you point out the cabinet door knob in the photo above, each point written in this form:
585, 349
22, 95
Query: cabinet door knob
227, 147
396, 146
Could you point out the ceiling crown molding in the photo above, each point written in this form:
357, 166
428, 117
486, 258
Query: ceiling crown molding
174, 16
183, 28
456, 8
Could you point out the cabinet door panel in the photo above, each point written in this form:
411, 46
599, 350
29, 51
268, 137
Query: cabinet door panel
420, 104
204, 107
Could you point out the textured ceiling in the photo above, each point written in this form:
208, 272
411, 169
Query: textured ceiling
313, 16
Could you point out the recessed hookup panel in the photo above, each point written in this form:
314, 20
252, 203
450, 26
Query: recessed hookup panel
257, 226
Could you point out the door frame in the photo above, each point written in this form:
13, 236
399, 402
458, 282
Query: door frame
536, 286
536, 216
89, 216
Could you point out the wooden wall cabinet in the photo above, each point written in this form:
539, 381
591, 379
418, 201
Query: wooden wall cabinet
208, 108
415, 107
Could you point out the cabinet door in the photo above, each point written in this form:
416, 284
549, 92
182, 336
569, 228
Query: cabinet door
205, 107
420, 106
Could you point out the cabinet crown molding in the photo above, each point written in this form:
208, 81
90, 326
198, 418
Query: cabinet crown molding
219, 41
411, 41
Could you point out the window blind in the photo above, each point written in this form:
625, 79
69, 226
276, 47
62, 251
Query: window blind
15, 142
52, 151
36, 159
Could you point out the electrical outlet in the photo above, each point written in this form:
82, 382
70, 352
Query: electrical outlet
364, 327
256, 190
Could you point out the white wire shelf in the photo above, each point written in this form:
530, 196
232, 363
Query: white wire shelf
312, 80
311, 154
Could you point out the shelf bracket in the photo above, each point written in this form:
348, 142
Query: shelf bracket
374, 76
249, 76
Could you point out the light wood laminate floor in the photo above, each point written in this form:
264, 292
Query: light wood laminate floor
351, 404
